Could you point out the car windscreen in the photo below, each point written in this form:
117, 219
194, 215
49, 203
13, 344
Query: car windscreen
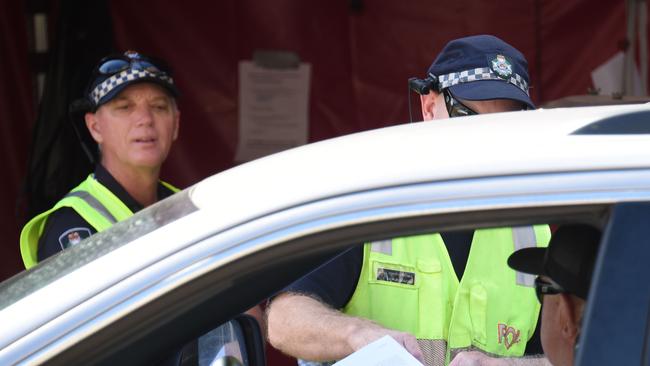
57, 266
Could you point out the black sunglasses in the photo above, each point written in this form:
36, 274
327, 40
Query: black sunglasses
130, 60
543, 287
454, 107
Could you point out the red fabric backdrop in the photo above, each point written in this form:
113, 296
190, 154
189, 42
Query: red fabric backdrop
360, 60
16, 118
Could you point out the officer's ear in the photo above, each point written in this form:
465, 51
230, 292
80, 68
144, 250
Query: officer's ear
430, 105
94, 127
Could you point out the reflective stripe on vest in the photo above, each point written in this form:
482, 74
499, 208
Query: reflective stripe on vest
415, 290
524, 237
95, 203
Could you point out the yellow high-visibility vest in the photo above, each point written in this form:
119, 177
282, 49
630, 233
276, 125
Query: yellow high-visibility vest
95, 203
409, 284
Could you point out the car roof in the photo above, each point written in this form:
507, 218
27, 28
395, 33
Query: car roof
525, 142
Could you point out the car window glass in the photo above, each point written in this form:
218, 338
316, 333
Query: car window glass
143, 222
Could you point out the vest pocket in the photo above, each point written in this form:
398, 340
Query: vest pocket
434, 306
392, 297
408, 297
428, 266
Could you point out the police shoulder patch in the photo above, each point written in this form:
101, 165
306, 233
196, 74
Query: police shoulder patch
73, 236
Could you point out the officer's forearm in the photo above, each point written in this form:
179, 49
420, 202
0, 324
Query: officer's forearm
306, 328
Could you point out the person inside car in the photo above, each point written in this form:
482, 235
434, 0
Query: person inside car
564, 271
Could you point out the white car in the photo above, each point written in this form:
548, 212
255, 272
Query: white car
133, 294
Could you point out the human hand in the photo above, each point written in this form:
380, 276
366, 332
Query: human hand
475, 358
367, 335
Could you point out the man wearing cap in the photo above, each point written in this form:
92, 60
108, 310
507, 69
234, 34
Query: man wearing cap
131, 113
562, 284
410, 288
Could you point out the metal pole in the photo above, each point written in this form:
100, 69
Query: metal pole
642, 7
629, 60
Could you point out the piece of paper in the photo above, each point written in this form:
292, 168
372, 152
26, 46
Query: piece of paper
273, 109
383, 352
608, 77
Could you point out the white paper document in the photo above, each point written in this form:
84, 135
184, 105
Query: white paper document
608, 77
383, 352
273, 109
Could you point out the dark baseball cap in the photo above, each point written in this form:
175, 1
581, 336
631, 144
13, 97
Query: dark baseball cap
568, 260
116, 72
482, 67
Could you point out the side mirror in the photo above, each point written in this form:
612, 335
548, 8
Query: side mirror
239, 342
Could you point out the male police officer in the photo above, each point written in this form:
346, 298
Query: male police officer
351, 301
564, 271
133, 117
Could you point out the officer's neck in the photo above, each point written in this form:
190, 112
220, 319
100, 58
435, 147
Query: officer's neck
141, 184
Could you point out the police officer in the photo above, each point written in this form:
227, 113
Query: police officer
133, 117
437, 294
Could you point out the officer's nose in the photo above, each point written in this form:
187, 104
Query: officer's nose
144, 115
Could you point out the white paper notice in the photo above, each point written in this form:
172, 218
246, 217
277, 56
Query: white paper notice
273, 109
383, 352
608, 77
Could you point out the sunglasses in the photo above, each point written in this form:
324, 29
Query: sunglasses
454, 107
130, 60
543, 287
457, 109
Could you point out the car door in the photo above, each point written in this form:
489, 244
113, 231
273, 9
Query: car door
615, 324
204, 283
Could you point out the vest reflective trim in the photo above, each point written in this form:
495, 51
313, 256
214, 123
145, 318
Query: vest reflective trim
524, 237
94, 203
382, 246
433, 351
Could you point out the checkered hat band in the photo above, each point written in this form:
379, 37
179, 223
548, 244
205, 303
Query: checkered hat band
481, 73
123, 77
